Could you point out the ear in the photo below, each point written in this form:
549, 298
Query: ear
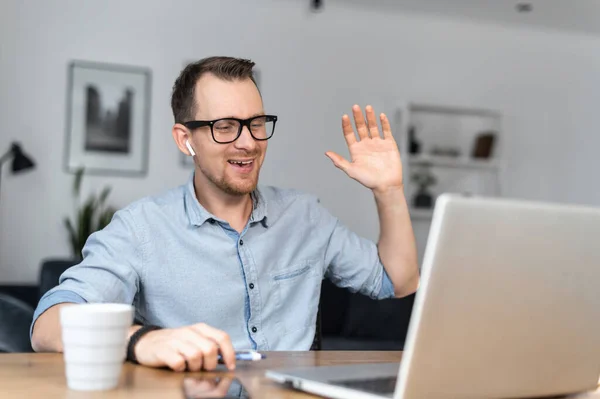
182, 135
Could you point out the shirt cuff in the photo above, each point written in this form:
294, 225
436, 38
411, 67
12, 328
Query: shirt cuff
54, 298
387, 287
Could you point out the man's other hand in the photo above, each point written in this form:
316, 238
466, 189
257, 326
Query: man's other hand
191, 348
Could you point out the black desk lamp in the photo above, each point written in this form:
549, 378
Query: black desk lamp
20, 161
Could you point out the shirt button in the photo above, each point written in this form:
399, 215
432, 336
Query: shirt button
251, 286
254, 329
241, 242
211, 221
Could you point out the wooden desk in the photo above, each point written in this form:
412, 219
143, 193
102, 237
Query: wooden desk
42, 375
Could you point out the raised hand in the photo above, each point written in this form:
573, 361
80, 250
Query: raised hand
375, 159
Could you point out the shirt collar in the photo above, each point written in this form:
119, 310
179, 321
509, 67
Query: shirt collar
259, 210
197, 214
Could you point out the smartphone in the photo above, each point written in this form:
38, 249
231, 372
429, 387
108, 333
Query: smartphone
213, 387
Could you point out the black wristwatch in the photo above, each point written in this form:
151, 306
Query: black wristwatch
135, 337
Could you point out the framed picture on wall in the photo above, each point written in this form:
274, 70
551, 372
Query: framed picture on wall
107, 118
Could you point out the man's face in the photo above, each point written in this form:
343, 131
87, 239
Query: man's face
219, 163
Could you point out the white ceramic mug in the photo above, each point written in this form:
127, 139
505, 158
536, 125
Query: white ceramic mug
94, 339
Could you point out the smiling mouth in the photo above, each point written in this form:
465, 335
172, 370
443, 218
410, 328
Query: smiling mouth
241, 163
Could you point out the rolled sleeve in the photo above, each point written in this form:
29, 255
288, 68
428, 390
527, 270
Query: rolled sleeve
387, 287
51, 298
352, 261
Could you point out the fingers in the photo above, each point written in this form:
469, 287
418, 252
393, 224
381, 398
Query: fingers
366, 128
338, 161
359, 121
223, 342
192, 348
207, 349
348, 130
385, 126
210, 351
198, 353
372, 122
173, 359
192, 354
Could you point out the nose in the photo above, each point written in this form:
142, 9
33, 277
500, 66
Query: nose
245, 141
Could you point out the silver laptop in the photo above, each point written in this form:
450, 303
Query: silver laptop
508, 307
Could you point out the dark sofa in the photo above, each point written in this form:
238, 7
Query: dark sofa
352, 321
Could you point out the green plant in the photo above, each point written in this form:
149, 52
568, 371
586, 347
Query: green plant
91, 216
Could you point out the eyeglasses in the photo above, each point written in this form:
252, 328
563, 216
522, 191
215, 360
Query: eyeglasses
227, 130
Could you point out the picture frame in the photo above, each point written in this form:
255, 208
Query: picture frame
108, 112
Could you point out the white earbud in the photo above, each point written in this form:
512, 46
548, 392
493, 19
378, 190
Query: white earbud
189, 147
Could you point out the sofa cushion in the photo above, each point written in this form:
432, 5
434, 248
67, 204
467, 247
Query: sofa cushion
16, 317
51, 271
333, 306
385, 319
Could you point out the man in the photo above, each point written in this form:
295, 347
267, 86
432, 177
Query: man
219, 263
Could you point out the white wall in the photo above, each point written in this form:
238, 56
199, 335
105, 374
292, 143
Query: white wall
314, 67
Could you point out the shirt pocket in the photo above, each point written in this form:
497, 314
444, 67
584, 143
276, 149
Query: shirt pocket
296, 290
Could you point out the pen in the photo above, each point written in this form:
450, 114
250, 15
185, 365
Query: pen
249, 356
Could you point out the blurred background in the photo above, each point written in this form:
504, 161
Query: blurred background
487, 97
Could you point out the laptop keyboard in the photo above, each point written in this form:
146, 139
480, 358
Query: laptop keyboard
384, 385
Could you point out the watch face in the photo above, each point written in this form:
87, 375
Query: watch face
213, 387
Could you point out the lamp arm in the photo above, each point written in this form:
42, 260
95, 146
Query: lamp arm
5, 157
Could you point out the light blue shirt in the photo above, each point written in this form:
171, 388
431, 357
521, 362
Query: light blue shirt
180, 265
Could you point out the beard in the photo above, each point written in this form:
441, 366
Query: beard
239, 187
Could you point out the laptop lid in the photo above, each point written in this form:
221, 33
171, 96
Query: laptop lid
509, 302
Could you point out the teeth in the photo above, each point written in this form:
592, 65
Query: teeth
241, 162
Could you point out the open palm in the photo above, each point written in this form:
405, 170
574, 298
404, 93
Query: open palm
375, 160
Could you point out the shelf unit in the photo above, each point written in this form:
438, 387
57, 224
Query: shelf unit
451, 162
451, 129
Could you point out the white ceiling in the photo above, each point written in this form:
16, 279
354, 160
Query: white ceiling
581, 16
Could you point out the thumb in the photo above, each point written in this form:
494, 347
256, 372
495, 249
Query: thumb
338, 161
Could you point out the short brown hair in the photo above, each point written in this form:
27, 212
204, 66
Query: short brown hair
226, 68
